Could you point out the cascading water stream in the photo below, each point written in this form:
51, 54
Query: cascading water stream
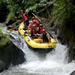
54, 62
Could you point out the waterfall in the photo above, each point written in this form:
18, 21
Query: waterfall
54, 62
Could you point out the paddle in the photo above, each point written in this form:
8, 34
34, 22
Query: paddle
36, 17
51, 35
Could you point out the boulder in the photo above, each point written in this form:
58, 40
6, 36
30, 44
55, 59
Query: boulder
10, 54
2, 65
73, 73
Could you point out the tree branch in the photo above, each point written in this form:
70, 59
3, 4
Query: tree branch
45, 5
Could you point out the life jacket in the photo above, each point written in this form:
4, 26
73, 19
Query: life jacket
24, 17
37, 22
30, 26
33, 32
42, 31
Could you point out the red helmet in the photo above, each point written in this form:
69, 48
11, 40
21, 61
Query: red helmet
37, 23
33, 17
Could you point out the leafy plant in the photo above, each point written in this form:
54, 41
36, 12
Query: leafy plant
4, 38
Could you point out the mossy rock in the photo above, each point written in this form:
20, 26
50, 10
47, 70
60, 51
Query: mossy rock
4, 38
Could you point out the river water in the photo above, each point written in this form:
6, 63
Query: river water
52, 63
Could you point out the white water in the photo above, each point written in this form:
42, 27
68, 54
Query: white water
53, 63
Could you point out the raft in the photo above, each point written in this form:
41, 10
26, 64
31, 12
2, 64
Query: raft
36, 43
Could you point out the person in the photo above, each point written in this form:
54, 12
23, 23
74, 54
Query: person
33, 30
37, 24
34, 26
35, 20
29, 27
24, 18
44, 34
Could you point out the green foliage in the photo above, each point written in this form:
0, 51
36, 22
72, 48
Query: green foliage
0, 30
2, 1
63, 14
4, 38
32, 8
60, 12
14, 6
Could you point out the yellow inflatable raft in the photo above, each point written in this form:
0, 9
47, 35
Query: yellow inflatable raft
37, 42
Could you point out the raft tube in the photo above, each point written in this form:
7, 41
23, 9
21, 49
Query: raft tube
36, 42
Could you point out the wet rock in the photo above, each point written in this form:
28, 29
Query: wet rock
73, 73
17, 56
2, 65
10, 54
10, 23
71, 52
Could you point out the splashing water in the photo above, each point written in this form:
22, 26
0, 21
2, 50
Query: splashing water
54, 63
